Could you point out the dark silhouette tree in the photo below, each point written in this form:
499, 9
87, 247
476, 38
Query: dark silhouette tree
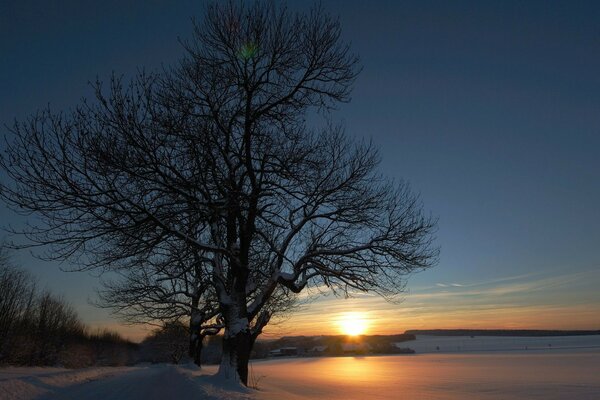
167, 343
172, 290
209, 170
40, 328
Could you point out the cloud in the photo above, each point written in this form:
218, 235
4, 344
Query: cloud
535, 301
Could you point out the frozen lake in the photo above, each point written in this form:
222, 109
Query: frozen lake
533, 375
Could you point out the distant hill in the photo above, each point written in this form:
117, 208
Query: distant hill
334, 345
498, 332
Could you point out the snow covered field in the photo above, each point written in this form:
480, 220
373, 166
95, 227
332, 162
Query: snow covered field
548, 375
545, 373
461, 344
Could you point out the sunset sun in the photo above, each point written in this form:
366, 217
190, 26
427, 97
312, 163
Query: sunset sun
353, 323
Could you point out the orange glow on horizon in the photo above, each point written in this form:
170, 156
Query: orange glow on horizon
377, 317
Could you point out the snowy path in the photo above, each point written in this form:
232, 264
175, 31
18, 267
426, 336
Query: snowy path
142, 384
121, 383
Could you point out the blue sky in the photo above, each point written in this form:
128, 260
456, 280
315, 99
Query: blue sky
489, 109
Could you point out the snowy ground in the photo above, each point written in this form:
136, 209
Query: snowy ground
545, 373
465, 344
548, 376
136, 383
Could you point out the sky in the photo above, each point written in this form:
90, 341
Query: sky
488, 109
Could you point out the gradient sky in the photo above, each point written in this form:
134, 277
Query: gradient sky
490, 109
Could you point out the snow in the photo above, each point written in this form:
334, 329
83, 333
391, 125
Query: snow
540, 375
27, 383
563, 371
461, 344
148, 382
227, 372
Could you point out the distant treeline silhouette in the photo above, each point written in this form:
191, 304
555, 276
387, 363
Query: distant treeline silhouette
39, 328
501, 332
334, 345
330, 345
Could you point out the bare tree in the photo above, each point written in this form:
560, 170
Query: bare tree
36, 327
178, 287
17, 288
204, 183
167, 343
159, 293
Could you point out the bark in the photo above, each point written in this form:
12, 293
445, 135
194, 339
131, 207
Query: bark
237, 349
237, 340
236, 355
195, 349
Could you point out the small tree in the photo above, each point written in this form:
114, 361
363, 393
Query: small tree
204, 186
167, 343
175, 289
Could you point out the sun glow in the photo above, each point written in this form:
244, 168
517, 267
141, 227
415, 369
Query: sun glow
353, 323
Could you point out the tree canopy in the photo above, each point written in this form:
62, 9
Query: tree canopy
204, 188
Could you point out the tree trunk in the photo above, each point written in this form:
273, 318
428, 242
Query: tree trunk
237, 340
195, 349
236, 355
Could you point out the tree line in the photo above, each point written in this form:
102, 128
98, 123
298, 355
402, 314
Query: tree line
42, 329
